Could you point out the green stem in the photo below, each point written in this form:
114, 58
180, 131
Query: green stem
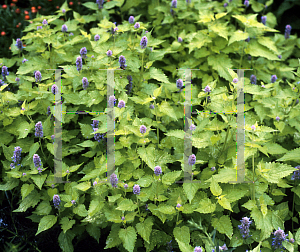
293, 209
227, 133
157, 123
253, 185
137, 202
42, 149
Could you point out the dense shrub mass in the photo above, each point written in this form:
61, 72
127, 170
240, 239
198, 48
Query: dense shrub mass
168, 117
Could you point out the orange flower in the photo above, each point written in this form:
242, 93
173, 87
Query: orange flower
3, 33
33, 10
17, 26
27, 17
33, 7
39, 7
4, 6
26, 12
57, 7
17, 11
15, 1
12, 5
71, 3
9, 48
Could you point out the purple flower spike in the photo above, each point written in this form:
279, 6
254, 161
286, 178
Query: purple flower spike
97, 37
198, 249
45, 22
178, 205
277, 118
207, 89
64, 28
279, 56
292, 240
253, 79
4, 72
24, 174
73, 202
143, 129
131, 20
121, 104
174, 4
54, 89
137, 25
39, 130
157, 170
144, 42
114, 180
246, 3
83, 52
235, 80
125, 186
111, 101
17, 79
85, 83
95, 183
213, 168
19, 44
71, 34
123, 218
151, 106
95, 123
245, 227
253, 127
122, 62
287, 32
63, 11
296, 174
36, 160
264, 19
192, 127
273, 78
38, 76
179, 83
179, 39
192, 159
56, 201
24, 60
136, 189
109, 53
100, 4
17, 155
97, 136
280, 236
52, 137
39, 27
79, 63
225, 4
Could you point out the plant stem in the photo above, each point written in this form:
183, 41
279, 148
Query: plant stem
293, 209
253, 186
157, 123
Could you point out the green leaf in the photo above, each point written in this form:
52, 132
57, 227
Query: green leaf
157, 92
190, 190
145, 181
223, 225
220, 63
43, 208
84, 186
39, 180
126, 205
220, 29
215, 189
264, 224
23, 129
293, 155
65, 241
94, 207
46, 223
288, 246
80, 210
206, 206
66, 224
113, 239
263, 206
182, 236
166, 209
90, 5
128, 237
26, 189
114, 197
144, 228
170, 177
297, 237
269, 43
158, 75
167, 109
256, 6
30, 201
238, 36
225, 203
147, 155
277, 222
94, 231
176, 133
33, 150
257, 50
276, 171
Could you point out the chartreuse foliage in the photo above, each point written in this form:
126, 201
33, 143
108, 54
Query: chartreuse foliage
214, 42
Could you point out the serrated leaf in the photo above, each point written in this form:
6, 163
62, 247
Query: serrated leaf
94, 207
65, 241
215, 189
223, 225
128, 237
257, 50
276, 171
126, 205
263, 206
84, 186
221, 63
225, 203
94, 231
39, 180
293, 155
66, 224
176, 133
80, 210
182, 236
29, 201
167, 109
170, 177
46, 223
43, 208
190, 190
206, 206
157, 92
33, 150
158, 75
238, 36
26, 189
113, 239
144, 229
166, 209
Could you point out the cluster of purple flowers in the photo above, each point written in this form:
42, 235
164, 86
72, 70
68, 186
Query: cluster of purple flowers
97, 37
16, 157
136, 189
54, 89
83, 52
157, 170
49, 112
39, 27
287, 32
179, 83
98, 137
79, 63
100, 4
109, 53
151, 106
192, 127
112, 101
45, 22
85, 83
143, 129
24, 60
222, 248
179, 39
144, 42
4, 72
121, 104
273, 78
56, 201
192, 159
122, 62
38, 76
174, 4
253, 79
264, 19
114, 180
37, 162
129, 85
17, 80
136, 25
131, 20
245, 227
95, 123
125, 186
296, 174
39, 130
279, 238
207, 89
19, 44
235, 80
247, 39
64, 28
246, 3
198, 249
